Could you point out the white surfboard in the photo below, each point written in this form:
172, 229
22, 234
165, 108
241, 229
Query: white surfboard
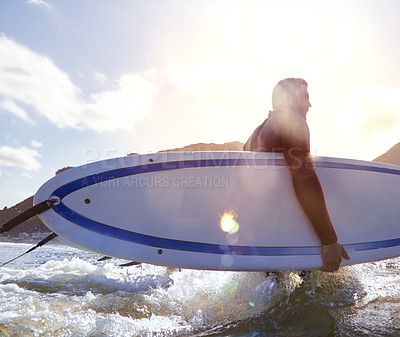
222, 210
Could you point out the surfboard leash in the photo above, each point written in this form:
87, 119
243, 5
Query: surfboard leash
29, 213
41, 243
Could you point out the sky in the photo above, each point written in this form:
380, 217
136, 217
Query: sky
82, 81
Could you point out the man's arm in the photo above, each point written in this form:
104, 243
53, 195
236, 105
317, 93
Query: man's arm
311, 198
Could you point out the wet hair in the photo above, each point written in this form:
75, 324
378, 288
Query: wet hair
286, 91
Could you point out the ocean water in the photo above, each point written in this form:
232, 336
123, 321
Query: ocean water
61, 291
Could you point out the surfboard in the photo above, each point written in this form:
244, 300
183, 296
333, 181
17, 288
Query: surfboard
221, 210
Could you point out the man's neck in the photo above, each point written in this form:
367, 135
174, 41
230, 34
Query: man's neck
291, 110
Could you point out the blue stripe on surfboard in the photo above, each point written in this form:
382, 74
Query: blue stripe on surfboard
200, 247
357, 167
66, 189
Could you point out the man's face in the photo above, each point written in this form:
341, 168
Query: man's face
303, 100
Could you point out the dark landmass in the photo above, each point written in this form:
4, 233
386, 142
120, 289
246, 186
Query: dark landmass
29, 229
232, 146
392, 156
64, 169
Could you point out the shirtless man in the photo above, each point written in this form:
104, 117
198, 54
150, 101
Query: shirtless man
286, 131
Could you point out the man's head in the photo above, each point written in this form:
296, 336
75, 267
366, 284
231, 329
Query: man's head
291, 94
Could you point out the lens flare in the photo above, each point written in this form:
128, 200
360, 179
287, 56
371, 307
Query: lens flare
228, 222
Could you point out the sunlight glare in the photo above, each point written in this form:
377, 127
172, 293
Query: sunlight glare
228, 222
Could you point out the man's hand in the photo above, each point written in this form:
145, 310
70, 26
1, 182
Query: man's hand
332, 256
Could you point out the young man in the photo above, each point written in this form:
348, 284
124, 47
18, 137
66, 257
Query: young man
286, 131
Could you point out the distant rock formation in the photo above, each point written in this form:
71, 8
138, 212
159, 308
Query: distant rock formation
64, 169
392, 156
231, 146
27, 228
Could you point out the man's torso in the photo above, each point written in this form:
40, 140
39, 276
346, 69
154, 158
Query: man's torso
280, 132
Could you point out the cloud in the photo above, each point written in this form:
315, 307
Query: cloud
35, 81
38, 3
121, 108
10, 106
212, 71
100, 77
361, 125
21, 157
36, 144
228, 97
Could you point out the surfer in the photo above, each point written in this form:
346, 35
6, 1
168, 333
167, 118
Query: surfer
286, 131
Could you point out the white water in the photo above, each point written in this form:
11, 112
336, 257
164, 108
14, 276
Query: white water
60, 291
